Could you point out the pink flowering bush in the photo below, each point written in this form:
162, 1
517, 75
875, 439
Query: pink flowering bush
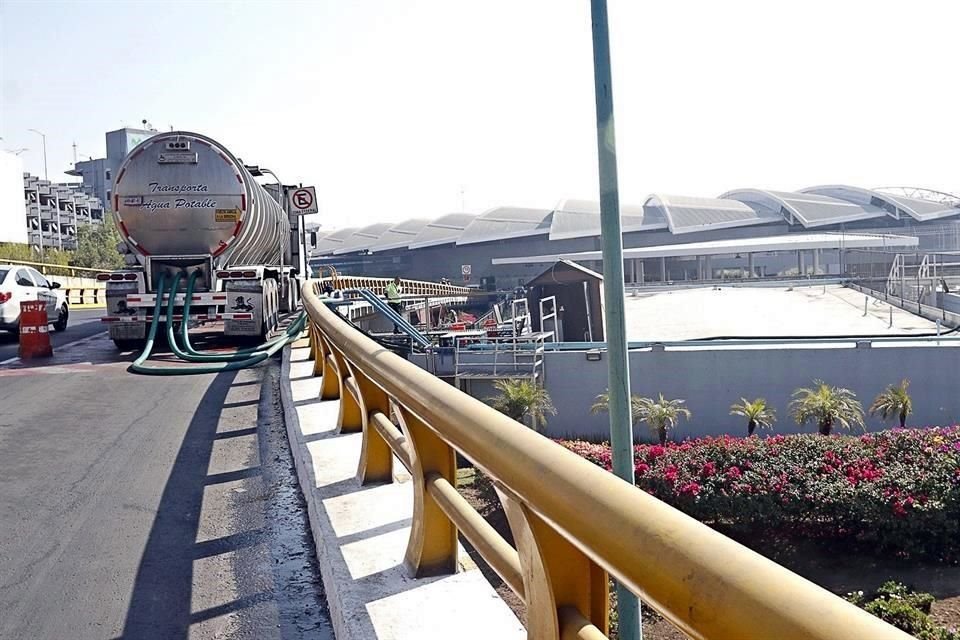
896, 490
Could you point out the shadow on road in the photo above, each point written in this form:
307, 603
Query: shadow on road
160, 605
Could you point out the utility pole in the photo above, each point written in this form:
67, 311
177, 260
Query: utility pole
618, 366
44, 137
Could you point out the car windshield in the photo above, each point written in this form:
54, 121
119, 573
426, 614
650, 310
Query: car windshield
3, 274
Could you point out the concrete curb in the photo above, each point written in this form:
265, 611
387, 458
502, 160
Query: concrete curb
307, 480
361, 532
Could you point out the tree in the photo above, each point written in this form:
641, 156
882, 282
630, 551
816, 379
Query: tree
19, 253
894, 401
15, 252
521, 398
757, 412
827, 406
661, 415
601, 404
97, 247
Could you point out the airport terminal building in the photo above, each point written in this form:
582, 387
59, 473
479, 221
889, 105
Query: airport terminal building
742, 233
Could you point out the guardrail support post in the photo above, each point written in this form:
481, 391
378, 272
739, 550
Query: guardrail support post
555, 574
432, 548
319, 350
311, 335
350, 419
330, 383
376, 458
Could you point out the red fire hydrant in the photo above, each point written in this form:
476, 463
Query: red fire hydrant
34, 330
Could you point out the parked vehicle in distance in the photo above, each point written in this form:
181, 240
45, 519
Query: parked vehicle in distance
21, 283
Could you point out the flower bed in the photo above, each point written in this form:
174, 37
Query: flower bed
898, 490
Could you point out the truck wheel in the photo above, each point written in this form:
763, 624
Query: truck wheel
62, 317
130, 345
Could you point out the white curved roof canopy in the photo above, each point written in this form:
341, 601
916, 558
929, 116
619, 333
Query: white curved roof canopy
581, 219
502, 223
399, 236
895, 205
363, 238
685, 214
332, 241
443, 230
809, 209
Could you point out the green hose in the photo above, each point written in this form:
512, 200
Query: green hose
190, 354
138, 365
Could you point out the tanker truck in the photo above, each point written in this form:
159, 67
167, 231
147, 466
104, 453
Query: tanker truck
184, 204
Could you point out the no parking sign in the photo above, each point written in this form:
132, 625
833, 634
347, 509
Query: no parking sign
303, 201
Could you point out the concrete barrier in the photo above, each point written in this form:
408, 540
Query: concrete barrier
82, 293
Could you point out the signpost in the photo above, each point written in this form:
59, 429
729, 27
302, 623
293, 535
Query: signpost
466, 270
303, 201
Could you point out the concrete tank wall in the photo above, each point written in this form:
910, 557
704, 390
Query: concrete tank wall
711, 380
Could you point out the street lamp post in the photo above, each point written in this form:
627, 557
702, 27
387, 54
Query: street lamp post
44, 137
618, 365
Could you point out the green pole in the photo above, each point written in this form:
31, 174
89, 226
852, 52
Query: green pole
618, 371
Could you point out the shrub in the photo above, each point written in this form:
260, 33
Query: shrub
757, 412
661, 415
826, 406
896, 491
520, 399
905, 609
894, 401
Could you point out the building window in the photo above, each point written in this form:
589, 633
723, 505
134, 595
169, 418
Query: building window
108, 175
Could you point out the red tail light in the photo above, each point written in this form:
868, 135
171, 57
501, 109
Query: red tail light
249, 274
236, 274
103, 276
4, 296
223, 274
129, 276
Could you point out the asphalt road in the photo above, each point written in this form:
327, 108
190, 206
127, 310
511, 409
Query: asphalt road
149, 507
82, 323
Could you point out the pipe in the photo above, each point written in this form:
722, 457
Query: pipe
190, 354
138, 365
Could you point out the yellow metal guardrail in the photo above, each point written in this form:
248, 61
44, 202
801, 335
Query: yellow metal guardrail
47, 267
410, 287
573, 522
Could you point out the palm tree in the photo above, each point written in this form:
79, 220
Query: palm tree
826, 406
758, 413
521, 398
661, 415
601, 404
894, 401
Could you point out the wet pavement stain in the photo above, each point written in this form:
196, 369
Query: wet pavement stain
281, 568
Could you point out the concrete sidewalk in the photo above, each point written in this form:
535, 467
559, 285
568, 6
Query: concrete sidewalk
361, 535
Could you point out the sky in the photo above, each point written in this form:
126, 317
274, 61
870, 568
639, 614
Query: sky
406, 108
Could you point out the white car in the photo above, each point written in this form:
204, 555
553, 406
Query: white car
21, 283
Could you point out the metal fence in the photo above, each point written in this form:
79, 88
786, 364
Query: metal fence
574, 523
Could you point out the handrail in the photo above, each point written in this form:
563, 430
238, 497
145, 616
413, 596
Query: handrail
48, 265
409, 287
573, 522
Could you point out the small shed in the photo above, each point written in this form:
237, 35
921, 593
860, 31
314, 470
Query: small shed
579, 294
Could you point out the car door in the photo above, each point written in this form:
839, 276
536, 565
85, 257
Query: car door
45, 293
26, 287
